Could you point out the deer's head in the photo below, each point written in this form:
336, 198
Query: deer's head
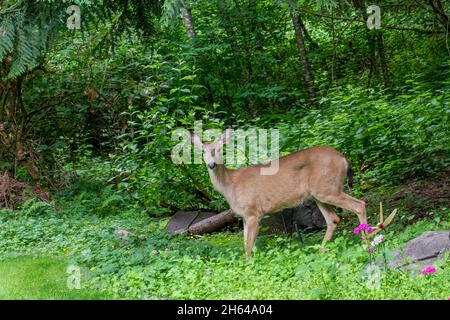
212, 151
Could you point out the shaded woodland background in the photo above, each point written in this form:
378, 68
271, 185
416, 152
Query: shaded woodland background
113, 91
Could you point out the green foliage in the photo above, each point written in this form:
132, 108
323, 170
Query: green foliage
27, 27
244, 73
131, 15
8, 36
167, 100
34, 207
102, 104
241, 70
21, 40
172, 9
90, 194
388, 136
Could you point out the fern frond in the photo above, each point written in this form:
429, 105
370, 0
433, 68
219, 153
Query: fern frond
7, 37
26, 26
33, 206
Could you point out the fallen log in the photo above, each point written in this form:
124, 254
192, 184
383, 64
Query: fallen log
216, 222
196, 222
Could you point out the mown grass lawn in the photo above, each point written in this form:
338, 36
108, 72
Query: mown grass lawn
33, 278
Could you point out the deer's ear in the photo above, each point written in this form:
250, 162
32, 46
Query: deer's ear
225, 137
196, 141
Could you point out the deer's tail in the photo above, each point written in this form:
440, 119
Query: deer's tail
349, 175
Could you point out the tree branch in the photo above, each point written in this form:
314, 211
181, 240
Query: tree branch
49, 104
426, 31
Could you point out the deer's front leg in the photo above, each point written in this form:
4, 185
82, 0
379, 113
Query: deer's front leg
251, 228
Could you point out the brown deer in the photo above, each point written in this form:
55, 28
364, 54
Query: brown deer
316, 172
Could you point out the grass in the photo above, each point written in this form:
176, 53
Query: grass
39, 278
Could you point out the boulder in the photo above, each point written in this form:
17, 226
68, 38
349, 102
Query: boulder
422, 251
307, 216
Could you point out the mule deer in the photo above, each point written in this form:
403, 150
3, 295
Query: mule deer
316, 172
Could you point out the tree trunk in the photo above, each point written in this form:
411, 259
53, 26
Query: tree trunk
188, 24
333, 63
306, 34
13, 119
375, 43
373, 61
245, 66
383, 62
302, 51
192, 35
226, 21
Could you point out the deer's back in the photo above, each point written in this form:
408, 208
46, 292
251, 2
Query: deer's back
300, 175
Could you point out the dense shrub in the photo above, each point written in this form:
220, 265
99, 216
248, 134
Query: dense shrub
389, 136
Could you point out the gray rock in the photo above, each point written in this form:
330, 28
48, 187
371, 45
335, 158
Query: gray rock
421, 251
306, 215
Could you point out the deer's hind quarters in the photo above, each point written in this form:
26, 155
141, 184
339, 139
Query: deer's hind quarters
317, 171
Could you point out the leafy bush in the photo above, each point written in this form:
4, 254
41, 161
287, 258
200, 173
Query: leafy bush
168, 101
149, 263
389, 137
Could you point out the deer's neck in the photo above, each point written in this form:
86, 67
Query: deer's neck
220, 178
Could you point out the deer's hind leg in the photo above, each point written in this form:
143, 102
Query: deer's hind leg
331, 219
346, 202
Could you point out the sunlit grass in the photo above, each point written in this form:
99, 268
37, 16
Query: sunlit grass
38, 278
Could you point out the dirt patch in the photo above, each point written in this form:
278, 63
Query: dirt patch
421, 197
434, 191
13, 192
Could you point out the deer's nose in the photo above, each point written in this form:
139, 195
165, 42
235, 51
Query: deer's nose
211, 165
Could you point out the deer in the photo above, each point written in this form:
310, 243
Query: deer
317, 172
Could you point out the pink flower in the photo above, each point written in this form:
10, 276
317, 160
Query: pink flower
363, 226
371, 250
428, 270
